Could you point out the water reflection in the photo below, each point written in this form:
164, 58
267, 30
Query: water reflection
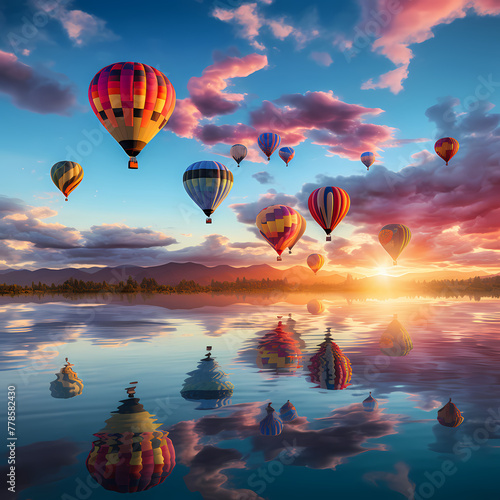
208, 384
271, 425
370, 403
315, 307
130, 454
395, 341
67, 384
449, 415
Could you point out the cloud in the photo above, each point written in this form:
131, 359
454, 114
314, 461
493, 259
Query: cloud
80, 26
250, 21
395, 26
321, 58
42, 92
263, 177
399, 481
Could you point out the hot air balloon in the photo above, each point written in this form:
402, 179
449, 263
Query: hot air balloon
288, 412
368, 159
272, 424
286, 154
134, 102
446, 148
208, 384
315, 261
268, 143
66, 175
395, 341
67, 384
207, 183
394, 238
279, 352
238, 152
299, 234
370, 403
315, 307
279, 225
130, 454
449, 415
328, 206
330, 368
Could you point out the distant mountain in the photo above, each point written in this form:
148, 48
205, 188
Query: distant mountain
444, 275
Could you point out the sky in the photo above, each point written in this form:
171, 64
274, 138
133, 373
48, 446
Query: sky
333, 78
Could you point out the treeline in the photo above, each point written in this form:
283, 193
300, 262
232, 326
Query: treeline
147, 285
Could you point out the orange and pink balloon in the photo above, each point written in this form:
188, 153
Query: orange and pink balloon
315, 261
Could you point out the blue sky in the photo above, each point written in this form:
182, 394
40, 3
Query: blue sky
449, 59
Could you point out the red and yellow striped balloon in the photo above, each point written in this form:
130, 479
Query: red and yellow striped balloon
133, 101
329, 205
315, 261
66, 175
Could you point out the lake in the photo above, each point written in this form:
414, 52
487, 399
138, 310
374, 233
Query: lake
413, 356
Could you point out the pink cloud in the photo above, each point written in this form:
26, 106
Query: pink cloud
321, 58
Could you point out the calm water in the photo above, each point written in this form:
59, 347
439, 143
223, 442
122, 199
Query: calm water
334, 449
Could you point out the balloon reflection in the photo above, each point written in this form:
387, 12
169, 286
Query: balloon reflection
130, 454
271, 425
315, 307
370, 403
208, 384
395, 341
449, 415
330, 368
288, 412
67, 384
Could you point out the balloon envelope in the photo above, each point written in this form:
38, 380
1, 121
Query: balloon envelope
315, 307
288, 412
315, 261
67, 384
207, 183
370, 403
66, 175
286, 154
238, 152
133, 101
368, 159
395, 341
394, 238
279, 225
449, 415
328, 206
300, 233
272, 425
446, 148
268, 143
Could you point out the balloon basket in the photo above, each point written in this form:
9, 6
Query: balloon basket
328, 238
208, 221
394, 263
133, 164
279, 258
66, 199
289, 251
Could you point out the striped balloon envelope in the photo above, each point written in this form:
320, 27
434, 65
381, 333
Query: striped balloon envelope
279, 225
328, 206
288, 412
368, 159
446, 148
286, 154
394, 238
239, 153
208, 183
370, 403
300, 233
449, 415
315, 261
133, 101
272, 425
66, 175
268, 143
396, 340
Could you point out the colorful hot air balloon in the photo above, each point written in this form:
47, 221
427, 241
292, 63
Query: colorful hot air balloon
66, 175
208, 384
330, 368
238, 152
449, 415
315, 261
370, 403
67, 384
286, 154
288, 412
315, 307
268, 143
207, 183
394, 238
299, 234
130, 454
279, 225
368, 159
272, 425
133, 101
395, 341
279, 352
328, 206
446, 148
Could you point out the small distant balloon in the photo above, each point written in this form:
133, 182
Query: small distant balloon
328, 206
446, 148
449, 415
66, 175
368, 159
315, 261
286, 154
370, 403
239, 153
268, 143
208, 183
394, 238
315, 307
272, 425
